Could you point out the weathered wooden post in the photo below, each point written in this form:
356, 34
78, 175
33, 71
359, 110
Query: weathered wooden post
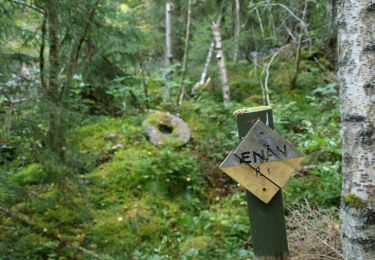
262, 163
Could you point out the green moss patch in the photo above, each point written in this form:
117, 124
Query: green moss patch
354, 201
30, 175
250, 109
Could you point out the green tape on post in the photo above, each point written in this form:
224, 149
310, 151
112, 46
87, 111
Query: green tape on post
267, 221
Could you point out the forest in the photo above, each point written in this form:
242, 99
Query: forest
115, 116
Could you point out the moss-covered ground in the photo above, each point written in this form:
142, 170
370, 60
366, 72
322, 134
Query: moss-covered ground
128, 199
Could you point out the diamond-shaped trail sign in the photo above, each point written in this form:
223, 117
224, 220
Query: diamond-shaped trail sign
263, 162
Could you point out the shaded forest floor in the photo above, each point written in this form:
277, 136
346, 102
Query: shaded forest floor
120, 197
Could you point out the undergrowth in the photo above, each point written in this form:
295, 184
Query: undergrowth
124, 198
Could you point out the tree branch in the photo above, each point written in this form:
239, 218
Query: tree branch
33, 7
87, 27
76, 49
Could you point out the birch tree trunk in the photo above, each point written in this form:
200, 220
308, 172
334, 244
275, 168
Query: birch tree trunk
221, 61
202, 81
168, 48
168, 33
237, 31
357, 79
186, 53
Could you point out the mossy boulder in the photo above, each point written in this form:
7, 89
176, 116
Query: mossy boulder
165, 129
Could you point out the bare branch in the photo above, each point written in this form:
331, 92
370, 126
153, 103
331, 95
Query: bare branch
267, 71
33, 7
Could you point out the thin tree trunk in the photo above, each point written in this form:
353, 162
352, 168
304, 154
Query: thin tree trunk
237, 31
293, 82
168, 47
55, 141
186, 53
75, 50
202, 81
168, 33
221, 61
332, 31
356, 75
41, 52
144, 83
332, 10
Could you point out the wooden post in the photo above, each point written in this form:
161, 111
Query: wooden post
267, 221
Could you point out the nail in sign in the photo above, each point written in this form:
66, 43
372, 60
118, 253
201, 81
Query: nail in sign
263, 162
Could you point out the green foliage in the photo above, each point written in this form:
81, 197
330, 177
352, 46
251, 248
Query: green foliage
106, 191
28, 244
322, 186
30, 175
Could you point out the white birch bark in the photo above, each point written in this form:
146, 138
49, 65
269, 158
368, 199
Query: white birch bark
168, 48
168, 33
237, 31
186, 53
202, 80
356, 29
221, 61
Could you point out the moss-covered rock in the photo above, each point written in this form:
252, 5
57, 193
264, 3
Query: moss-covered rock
165, 129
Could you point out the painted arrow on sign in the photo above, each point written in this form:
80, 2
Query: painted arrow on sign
263, 162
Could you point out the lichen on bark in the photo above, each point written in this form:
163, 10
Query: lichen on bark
356, 74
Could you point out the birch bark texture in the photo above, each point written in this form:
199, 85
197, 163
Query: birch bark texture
168, 33
187, 41
186, 53
356, 62
221, 61
168, 49
202, 81
237, 30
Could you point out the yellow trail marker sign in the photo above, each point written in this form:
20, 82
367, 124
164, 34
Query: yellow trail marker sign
263, 162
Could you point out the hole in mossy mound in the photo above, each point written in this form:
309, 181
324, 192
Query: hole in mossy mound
165, 129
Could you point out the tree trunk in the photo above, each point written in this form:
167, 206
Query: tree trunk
202, 80
168, 47
221, 61
237, 31
332, 13
186, 53
293, 82
332, 31
55, 140
356, 75
168, 33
